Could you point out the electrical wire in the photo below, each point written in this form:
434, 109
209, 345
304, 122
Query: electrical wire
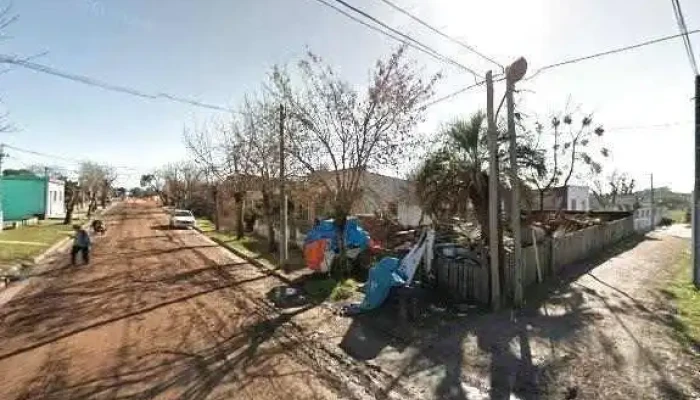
654, 126
439, 32
5, 59
571, 61
458, 92
402, 37
684, 31
609, 52
56, 157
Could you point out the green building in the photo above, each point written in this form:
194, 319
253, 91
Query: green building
26, 196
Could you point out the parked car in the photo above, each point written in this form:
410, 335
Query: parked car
182, 219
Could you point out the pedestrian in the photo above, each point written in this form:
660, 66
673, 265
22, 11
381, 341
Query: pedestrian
81, 244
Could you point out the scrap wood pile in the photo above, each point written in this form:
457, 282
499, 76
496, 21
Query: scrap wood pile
560, 222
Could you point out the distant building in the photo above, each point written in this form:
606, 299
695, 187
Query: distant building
383, 194
567, 198
27, 196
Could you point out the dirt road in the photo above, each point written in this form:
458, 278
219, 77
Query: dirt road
169, 315
158, 314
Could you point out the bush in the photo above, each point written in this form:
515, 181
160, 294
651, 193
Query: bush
665, 221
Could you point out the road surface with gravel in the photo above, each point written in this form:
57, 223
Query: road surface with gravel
169, 315
160, 314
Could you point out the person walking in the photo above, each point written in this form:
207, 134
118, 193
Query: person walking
81, 244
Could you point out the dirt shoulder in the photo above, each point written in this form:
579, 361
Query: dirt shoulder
605, 331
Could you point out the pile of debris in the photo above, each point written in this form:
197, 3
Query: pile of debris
560, 223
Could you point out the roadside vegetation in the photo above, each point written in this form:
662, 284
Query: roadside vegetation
687, 301
24, 243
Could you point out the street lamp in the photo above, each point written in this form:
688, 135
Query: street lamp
514, 73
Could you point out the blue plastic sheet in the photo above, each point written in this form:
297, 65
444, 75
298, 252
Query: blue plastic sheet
382, 277
355, 236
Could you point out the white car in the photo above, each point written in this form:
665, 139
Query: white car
182, 219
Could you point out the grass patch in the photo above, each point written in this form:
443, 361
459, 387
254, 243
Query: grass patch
330, 288
687, 300
205, 225
253, 246
30, 241
678, 216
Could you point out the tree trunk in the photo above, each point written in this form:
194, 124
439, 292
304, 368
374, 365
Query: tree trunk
239, 197
217, 214
541, 192
69, 211
269, 220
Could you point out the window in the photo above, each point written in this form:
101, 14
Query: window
573, 204
54, 196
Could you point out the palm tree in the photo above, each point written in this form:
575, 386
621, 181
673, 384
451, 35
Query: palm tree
458, 171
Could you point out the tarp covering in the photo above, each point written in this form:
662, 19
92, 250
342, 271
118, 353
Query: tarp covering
382, 277
321, 243
355, 236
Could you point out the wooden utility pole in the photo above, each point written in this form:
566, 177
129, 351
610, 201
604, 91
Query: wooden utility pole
696, 191
492, 134
283, 195
514, 73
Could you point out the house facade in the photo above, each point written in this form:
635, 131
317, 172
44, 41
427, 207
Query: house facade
567, 198
394, 197
29, 196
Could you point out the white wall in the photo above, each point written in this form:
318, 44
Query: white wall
642, 218
578, 198
409, 215
55, 202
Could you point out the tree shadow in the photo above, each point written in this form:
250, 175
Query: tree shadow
501, 344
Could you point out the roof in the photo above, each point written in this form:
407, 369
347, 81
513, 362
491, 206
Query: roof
32, 178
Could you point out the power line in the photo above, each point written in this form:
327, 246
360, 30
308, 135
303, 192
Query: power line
684, 31
654, 126
402, 37
104, 85
571, 61
444, 35
458, 92
609, 52
56, 157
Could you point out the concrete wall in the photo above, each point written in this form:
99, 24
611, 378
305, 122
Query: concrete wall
577, 197
643, 218
409, 215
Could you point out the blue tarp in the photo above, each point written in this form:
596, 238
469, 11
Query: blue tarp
355, 236
382, 277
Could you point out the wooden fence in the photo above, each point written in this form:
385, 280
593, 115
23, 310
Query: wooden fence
556, 253
470, 282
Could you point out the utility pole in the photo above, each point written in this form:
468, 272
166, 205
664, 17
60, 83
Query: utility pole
493, 196
514, 73
696, 191
283, 195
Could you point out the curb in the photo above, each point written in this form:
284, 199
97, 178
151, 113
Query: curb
254, 261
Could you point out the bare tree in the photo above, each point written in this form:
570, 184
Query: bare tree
92, 179
567, 147
334, 125
615, 185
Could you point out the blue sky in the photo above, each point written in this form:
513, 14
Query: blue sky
215, 51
